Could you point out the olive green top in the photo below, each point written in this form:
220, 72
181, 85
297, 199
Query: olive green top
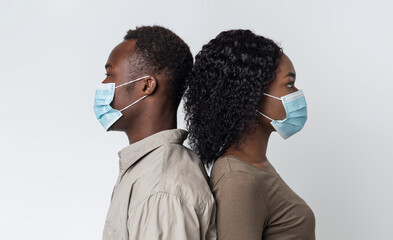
253, 203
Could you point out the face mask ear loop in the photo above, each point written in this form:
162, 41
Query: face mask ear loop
265, 116
138, 79
272, 96
133, 103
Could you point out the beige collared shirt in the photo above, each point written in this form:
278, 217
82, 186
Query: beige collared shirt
162, 192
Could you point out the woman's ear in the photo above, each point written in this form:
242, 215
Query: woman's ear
150, 85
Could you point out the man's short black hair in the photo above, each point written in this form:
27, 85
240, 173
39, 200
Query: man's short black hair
159, 50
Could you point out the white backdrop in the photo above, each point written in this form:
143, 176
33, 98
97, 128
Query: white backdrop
58, 165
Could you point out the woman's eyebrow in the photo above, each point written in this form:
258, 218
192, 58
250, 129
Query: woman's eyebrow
291, 74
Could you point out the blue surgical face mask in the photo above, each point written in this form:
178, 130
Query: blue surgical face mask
296, 109
105, 93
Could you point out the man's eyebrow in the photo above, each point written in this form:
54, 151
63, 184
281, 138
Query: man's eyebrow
291, 74
108, 66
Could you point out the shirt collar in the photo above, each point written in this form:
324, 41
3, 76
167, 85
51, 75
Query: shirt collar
132, 153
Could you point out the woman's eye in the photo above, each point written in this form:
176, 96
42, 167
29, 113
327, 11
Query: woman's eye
290, 85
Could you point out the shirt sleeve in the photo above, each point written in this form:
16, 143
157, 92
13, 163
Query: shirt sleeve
163, 216
208, 220
241, 210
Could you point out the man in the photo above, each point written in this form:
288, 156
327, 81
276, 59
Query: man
162, 190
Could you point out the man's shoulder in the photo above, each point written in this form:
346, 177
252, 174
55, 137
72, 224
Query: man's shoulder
185, 176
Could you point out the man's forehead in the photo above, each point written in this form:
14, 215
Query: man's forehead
122, 51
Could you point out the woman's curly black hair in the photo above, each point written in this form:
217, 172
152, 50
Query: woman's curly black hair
225, 89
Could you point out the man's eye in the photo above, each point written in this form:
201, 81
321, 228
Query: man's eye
290, 84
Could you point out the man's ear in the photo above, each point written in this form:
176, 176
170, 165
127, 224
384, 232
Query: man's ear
150, 85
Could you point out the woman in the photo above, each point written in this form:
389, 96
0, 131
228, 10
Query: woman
242, 88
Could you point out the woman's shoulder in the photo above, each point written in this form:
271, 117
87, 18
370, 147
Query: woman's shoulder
235, 167
230, 167
231, 183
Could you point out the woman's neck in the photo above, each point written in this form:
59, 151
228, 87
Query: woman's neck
253, 149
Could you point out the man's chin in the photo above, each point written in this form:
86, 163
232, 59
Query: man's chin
113, 129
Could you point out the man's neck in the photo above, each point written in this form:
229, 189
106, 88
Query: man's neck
148, 126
